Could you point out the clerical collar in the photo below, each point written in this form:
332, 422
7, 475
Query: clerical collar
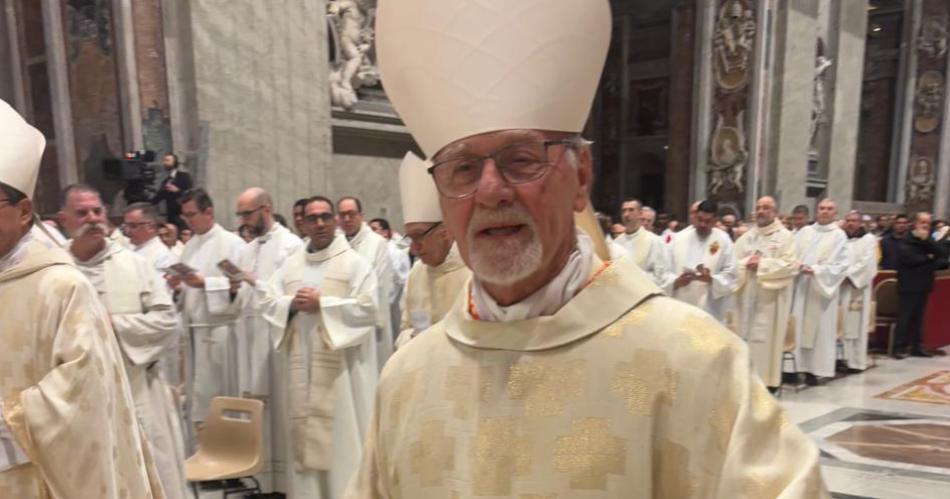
107, 251
453, 261
634, 233
338, 246
547, 300
828, 227
263, 238
358, 237
207, 235
771, 228
15, 255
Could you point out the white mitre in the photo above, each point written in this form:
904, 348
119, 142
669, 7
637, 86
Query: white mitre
458, 68
420, 198
21, 149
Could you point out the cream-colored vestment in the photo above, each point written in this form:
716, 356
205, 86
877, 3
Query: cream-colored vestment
648, 250
375, 250
716, 252
324, 369
815, 304
764, 296
262, 257
429, 293
210, 317
622, 393
857, 305
65, 394
146, 325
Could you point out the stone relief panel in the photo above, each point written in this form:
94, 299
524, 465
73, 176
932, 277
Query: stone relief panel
353, 56
734, 39
931, 46
921, 184
928, 101
734, 43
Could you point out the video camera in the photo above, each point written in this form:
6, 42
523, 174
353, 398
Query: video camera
137, 170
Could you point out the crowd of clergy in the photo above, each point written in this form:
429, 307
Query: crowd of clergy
524, 353
798, 291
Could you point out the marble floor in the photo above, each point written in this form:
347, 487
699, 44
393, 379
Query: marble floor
881, 448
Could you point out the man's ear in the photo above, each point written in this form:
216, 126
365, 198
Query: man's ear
585, 178
26, 211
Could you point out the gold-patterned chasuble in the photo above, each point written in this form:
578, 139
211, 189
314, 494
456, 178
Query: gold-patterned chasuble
621, 394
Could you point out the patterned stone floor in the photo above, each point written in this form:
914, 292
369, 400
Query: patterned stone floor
879, 447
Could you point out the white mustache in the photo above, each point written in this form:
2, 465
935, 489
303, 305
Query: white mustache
509, 215
87, 227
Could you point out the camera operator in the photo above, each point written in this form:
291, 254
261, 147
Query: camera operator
171, 189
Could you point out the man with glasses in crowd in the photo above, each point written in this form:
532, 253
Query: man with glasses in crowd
259, 260
141, 225
554, 374
322, 304
372, 247
439, 274
207, 309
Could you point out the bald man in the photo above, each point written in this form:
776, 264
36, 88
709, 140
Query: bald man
259, 260
822, 254
766, 274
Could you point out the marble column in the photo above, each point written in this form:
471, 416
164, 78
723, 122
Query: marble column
260, 108
792, 94
848, 21
682, 59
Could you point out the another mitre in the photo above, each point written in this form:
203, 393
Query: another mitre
420, 198
21, 149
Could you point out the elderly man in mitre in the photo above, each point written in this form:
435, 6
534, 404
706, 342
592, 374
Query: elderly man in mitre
145, 322
67, 417
259, 260
822, 253
702, 264
857, 305
766, 272
556, 373
322, 304
375, 250
439, 274
645, 247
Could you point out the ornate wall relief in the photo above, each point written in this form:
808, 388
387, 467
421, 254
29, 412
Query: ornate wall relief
353, 55
928, 100
931, 45
920, 181
734, 39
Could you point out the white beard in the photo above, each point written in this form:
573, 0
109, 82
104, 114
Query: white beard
514, 259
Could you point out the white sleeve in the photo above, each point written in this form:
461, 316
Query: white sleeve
11, 454
725, 281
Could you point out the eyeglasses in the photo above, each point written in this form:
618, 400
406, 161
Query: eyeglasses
321, 217
136, 225
349, 214
418, 238
245, 214
518, 163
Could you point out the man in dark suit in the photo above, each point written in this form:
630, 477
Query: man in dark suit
918, 258
891, 240
172, 187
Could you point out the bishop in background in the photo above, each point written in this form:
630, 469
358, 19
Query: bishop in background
554, 373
